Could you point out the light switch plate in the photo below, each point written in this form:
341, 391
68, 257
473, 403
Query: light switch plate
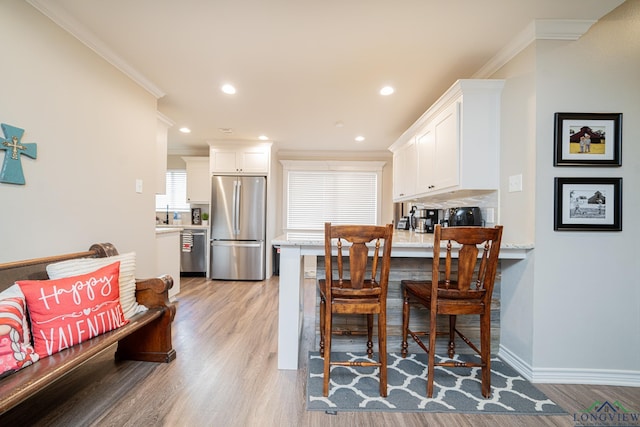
515, 183
138, 186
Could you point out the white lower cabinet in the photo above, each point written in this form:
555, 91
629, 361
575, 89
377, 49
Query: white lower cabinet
168, 257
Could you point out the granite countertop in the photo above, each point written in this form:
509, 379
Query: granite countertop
167, 230
401, 239
182, 226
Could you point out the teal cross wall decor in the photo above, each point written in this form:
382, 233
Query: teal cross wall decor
11, 171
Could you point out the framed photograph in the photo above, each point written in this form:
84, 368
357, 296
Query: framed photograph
588, 139
195, 216
588, 204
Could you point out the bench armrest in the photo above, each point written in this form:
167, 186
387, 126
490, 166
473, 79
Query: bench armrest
154, 292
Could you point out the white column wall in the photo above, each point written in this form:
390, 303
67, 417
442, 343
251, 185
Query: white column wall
587, 298
571, 313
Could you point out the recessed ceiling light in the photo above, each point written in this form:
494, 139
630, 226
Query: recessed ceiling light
185, 130
387, 90
359, 138
228, 89
263, 138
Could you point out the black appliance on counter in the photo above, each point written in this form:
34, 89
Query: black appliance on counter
465, 216
428, 218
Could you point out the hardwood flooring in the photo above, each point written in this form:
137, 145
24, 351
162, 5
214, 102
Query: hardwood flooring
225, 335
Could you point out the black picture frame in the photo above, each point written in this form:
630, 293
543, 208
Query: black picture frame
195, 216
588, 204
603, 147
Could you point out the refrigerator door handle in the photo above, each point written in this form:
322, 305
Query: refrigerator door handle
234, 212
235, 243
238, 206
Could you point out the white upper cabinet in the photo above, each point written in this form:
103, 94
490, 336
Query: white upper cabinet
198, 180
249, 159
457, 144
405, 164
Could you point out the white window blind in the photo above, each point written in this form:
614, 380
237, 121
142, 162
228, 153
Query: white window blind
339, 197
176, 193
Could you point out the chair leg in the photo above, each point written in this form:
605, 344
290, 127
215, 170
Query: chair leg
382, 349
327, 352
432, 351
452, 336
323, 304
485, 352
405, 323
370, 335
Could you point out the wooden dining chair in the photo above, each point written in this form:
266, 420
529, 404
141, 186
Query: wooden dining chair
357, 286
465, 291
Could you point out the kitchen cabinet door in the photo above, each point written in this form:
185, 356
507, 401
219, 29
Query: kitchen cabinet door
437, 152
405, 168
224, 161
248, 160
198, 180
254, 161
426, 150
446, 168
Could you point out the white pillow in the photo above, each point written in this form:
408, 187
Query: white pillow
76, 267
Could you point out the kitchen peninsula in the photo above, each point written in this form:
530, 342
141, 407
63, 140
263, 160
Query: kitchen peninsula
294, 246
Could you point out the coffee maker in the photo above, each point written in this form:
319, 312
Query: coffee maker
428, 218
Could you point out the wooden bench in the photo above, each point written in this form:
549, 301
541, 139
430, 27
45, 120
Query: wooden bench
147, 336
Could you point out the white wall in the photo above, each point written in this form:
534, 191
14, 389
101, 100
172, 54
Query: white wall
96, 134
579, 294
517, 209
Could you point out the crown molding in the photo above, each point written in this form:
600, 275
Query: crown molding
166, 120
538, 29
65, 21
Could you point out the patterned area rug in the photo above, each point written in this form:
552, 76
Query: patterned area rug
455, 390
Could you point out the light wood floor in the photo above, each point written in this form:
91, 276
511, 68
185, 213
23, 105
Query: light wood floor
226, 375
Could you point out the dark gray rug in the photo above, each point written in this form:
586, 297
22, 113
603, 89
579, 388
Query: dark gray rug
455, 390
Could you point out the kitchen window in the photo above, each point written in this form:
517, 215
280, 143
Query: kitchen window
340, 192
175, 198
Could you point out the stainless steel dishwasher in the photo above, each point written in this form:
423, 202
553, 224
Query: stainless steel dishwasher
193, 252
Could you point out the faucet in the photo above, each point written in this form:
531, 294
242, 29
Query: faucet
166, 221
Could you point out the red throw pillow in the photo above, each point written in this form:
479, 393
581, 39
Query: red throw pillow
66, 312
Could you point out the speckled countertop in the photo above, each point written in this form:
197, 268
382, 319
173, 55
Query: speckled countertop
402, 241
165, 229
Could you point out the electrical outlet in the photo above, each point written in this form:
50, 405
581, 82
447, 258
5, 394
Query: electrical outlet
515, 183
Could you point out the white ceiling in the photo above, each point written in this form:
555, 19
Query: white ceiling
302, 66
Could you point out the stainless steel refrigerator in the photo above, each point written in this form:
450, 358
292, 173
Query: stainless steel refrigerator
238, 211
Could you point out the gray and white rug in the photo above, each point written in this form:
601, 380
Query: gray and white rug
455, 390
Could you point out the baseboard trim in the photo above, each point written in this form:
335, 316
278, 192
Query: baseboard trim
613, 377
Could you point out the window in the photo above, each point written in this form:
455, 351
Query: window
316, 192
176, 193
